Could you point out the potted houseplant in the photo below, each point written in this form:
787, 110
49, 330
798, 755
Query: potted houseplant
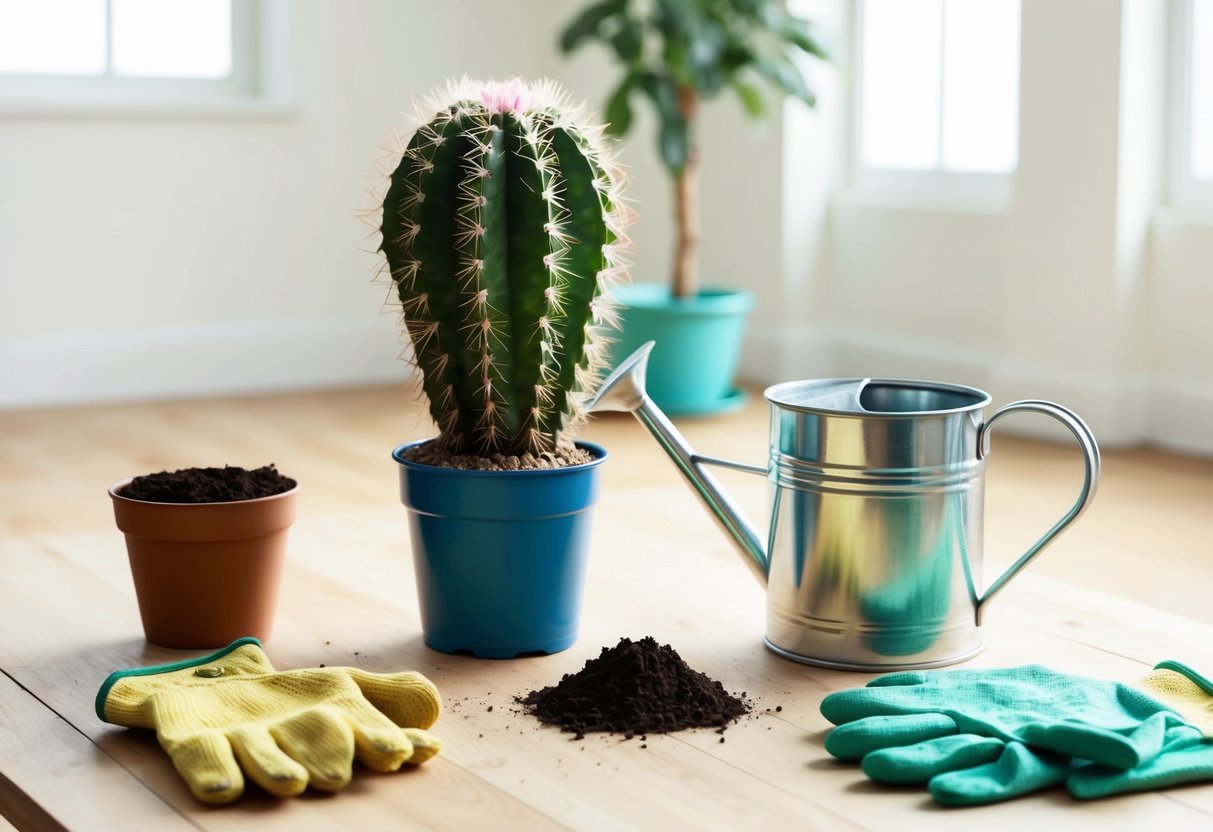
675, 54
501, 227
206, 548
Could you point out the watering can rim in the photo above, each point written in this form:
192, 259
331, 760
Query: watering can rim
982, 399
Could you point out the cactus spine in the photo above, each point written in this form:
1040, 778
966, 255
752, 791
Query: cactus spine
502, 225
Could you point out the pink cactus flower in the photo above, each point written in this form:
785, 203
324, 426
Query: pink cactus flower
510, 96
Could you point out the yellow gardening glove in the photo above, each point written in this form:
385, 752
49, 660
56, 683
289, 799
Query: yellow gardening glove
1184, 691
286, 729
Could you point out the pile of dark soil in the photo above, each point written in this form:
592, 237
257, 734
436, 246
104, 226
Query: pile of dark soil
636, 687
208, 485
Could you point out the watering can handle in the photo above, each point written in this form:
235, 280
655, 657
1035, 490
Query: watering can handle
1090, 451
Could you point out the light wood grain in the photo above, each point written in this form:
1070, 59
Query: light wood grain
39, 751
1126, 588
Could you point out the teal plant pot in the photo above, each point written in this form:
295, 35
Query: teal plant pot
500, 556
698, 341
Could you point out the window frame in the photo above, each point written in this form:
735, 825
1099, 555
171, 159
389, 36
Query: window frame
936, 187
1184, 189
258, 85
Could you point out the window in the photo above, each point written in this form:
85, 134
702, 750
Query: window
1192, 103
937, 91
97, 54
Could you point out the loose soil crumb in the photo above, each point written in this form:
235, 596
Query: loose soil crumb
563, 457
634, 688
208, 485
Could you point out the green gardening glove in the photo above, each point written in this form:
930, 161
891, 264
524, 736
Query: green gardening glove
1182, 759
980, 736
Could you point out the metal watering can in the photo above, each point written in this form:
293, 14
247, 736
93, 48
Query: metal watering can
873, 559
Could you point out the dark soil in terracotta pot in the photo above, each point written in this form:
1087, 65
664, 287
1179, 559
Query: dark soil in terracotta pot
208, 485
636, 687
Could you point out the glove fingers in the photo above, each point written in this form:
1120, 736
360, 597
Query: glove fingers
206, 763
904, 678
379, 743
1018, 771
425, 745
408, 699
918, 763
854, 740
266, 764
322, 742
1193, 764
1102, 745
883, 700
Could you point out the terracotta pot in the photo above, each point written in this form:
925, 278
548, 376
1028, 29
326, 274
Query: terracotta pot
206, 574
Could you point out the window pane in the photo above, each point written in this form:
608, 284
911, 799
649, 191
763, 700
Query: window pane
52, 37
981, 85
1201, 101
900, 83
173, 38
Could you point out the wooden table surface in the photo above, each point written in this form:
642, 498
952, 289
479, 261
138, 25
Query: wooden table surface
658, 567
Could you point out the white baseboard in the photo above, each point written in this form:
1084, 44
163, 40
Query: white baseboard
233, 358
1181, 417
1120, 412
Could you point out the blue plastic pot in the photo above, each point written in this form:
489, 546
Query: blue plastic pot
698, 341
500, 556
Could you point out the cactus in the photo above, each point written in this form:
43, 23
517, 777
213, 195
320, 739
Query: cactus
502, 225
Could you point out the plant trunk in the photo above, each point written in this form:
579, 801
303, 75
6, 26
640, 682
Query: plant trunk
686, 205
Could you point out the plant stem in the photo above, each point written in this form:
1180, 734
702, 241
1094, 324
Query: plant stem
686, 204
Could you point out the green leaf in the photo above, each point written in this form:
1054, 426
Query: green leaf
770, 13
628, 41
799, 33
661, 90
708, 40
674, 17
674, 56
675, 143
674, 137
587, 24
750, 97
751, 8
619, 108
785, 75
736, 56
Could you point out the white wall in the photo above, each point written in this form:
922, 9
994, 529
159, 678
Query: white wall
158, 256
164, 256
1082, 288
155, 257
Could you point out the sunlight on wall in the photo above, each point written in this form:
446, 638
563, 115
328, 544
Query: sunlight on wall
940, 85
173, 39
1202, 90
145, 38
33, 38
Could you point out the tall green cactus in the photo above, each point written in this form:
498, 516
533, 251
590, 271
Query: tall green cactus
501, 226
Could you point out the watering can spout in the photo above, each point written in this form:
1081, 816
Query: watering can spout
624, 391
